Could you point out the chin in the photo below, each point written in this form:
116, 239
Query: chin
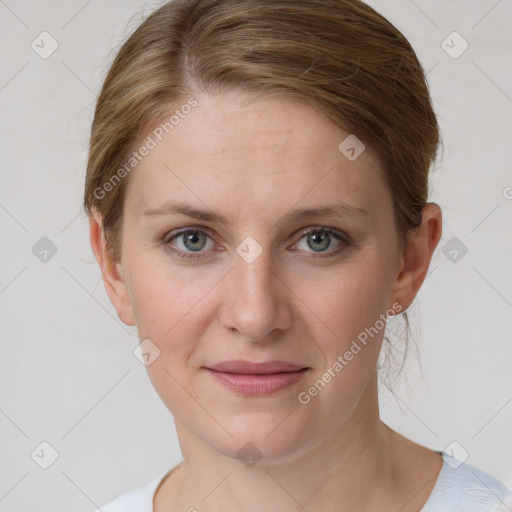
262, 438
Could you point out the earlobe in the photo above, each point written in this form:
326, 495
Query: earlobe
417, 256
112, 273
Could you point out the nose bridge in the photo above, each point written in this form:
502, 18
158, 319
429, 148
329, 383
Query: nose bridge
255, 305
254, 276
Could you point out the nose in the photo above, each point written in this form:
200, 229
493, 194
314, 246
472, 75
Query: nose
256, 301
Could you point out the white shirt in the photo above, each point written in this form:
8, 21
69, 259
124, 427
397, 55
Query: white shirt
459, 487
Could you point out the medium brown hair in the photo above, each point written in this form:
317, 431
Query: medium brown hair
340, 56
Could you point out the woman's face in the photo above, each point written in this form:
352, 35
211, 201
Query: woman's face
251, 284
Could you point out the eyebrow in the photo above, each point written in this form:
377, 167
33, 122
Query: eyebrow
330, 210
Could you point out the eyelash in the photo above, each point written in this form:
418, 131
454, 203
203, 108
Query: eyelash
344, 241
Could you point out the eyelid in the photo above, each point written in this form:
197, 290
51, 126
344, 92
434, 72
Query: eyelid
333, 231
177, 232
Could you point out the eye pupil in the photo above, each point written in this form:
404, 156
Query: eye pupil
320, 237
193, 237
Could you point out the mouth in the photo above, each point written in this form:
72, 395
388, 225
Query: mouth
257, 379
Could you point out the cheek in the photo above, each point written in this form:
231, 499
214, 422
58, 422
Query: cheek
172, 309
345, 302
167, 298
351, 307
347, 321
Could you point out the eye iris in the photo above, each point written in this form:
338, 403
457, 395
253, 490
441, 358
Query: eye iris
321, 237
193, 237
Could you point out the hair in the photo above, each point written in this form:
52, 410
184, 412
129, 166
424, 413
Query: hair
339, 56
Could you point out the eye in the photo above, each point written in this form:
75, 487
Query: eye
189, 241
195, 243
319, 239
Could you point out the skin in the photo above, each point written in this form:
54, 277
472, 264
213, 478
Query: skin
252, 161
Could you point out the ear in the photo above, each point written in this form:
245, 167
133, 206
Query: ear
416, 258
113, 278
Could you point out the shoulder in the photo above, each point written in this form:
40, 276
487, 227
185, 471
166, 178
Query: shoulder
461, 486
136, 500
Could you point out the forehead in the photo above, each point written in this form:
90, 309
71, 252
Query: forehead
233, 148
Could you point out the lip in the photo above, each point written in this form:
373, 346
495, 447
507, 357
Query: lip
257, 379
241, 366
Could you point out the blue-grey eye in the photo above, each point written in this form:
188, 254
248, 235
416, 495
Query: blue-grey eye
319, 240
191, 240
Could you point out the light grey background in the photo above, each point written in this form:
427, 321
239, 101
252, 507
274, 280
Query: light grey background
67, 372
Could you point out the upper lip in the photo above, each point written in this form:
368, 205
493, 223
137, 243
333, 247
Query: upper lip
248, 367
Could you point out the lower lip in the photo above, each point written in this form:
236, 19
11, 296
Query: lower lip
258, 385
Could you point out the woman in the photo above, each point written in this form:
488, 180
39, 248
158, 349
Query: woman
257, 190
